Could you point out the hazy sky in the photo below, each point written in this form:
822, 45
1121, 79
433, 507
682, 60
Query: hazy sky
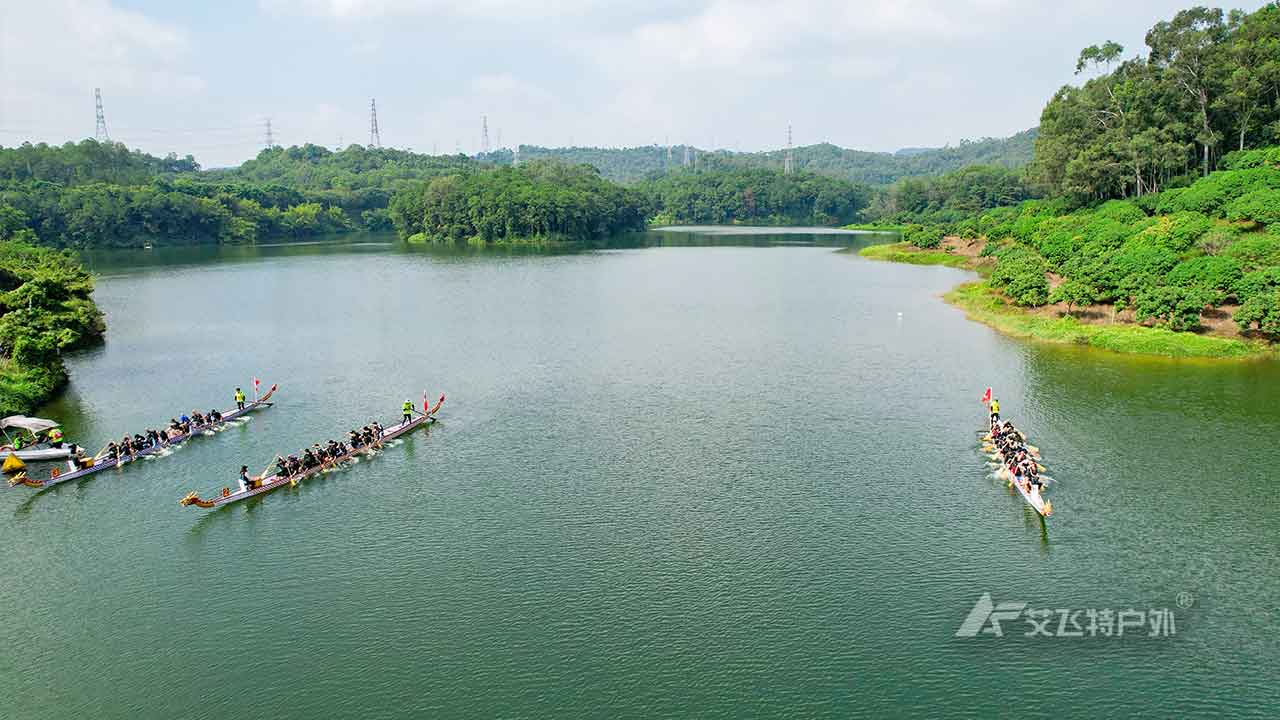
201, 77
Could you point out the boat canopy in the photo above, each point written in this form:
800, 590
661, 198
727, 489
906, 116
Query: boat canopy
30, 424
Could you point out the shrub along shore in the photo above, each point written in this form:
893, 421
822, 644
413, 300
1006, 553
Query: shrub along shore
984, 303
45, 308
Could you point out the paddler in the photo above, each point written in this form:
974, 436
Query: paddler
239, 399
407, 408
55, 438
245, 482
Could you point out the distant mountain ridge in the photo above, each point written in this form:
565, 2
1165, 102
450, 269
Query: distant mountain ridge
630, 165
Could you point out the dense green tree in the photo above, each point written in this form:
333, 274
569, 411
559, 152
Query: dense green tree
1260, 206
1020, 273
1075, 293
1143, 124
1260, 312
45, 308
757, 196
949, 197
537, 200
1178, 308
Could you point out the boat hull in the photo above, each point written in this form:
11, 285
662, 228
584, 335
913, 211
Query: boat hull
272, 482
126, 459
1034, 499
38, 454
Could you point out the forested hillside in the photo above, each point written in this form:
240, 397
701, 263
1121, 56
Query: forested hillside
629, 165
87, 194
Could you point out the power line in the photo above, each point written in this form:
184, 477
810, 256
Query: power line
180, 131
100, 127
375, 141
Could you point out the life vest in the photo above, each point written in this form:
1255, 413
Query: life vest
408, 407
239, 396
55, 435
995, 407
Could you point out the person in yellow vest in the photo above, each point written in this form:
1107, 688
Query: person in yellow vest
239, 399
407, 408
995, 411
55, 438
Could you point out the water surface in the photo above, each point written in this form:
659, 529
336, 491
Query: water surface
702, 479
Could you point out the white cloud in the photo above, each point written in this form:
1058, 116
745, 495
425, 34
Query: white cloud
861, 73
496, 10
54, 52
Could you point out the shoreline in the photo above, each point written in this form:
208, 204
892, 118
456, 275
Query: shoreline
983, 304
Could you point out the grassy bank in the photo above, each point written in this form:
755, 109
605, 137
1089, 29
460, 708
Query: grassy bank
24, 389
980, 302
906, 253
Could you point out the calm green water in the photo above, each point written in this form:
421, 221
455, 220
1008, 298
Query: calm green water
696, 480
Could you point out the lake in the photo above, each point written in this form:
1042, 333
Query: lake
730, 473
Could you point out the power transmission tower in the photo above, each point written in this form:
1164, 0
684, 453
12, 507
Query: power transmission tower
100, 129
686, 156
789, 161
375, 141
484, 134
271, 141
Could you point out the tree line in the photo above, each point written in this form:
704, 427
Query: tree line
535, 201
1208, 83
950, 197
637, 164
90, 194
753, 196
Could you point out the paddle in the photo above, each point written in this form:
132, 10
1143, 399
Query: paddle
263, 474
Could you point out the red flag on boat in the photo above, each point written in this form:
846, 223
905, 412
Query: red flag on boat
426, 404
986, 396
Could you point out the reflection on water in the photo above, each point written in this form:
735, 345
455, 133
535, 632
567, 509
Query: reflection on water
109, 262
709, 475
